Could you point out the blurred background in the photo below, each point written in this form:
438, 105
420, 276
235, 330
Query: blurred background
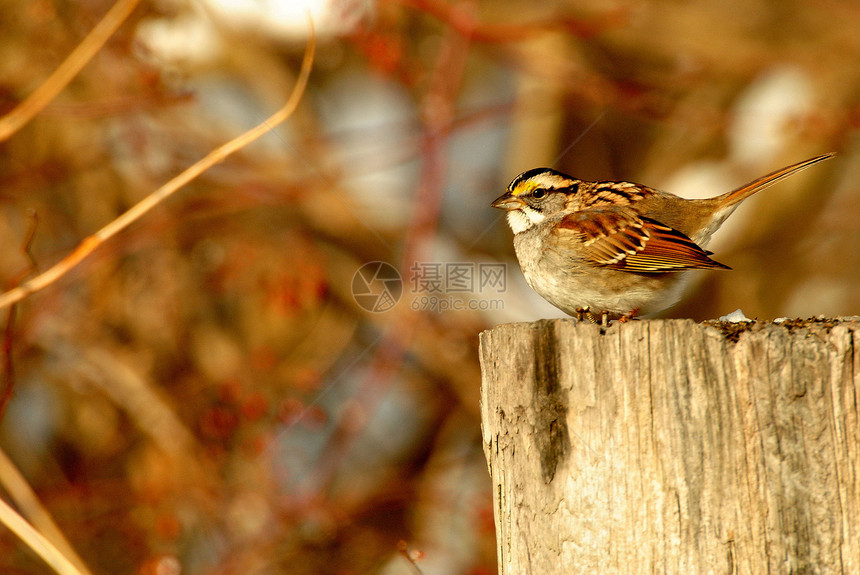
227, 387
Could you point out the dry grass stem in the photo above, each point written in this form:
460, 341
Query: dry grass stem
47, 550
80, 56
88, 245
21, 492
36, 541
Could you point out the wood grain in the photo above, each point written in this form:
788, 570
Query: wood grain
667, 446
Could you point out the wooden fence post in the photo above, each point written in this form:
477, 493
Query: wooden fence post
666, 446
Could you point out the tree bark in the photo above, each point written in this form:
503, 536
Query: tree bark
667, 446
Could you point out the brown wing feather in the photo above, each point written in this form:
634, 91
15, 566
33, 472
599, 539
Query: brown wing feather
620, 238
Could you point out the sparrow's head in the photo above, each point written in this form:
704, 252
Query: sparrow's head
534, 195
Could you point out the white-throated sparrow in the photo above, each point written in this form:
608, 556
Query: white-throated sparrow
615, 247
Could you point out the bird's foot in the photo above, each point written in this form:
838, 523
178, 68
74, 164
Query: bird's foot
628, 316
582, 313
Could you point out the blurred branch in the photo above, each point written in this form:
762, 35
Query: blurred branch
148, 203
80, 56
438, 110
9, 332
145, 407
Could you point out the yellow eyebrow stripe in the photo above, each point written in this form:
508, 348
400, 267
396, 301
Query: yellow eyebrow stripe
523, 187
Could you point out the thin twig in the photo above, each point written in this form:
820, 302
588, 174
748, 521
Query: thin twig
89, 244
80, 56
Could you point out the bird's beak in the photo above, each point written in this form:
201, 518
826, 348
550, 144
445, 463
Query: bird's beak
508, 202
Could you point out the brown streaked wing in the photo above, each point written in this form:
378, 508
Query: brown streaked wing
668, 250
606, 235
622, 239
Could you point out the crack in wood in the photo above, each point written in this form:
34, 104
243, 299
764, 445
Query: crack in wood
551, 399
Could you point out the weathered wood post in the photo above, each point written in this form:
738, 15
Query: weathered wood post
667, 446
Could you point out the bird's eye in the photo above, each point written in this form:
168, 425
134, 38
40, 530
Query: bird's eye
538, 193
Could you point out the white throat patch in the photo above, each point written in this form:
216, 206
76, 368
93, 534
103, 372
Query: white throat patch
522, 219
